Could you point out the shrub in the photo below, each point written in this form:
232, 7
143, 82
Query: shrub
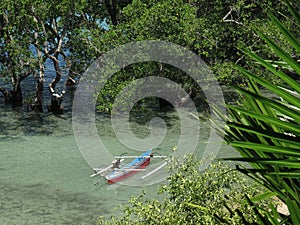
190, 196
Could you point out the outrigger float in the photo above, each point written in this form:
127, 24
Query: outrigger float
115, 172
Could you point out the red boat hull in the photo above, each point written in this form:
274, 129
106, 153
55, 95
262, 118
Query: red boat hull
119, 178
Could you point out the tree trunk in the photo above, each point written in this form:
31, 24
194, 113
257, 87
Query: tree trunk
17, 98
56, 98
6, 93
13, 96
37, 106
57, 71
111, 7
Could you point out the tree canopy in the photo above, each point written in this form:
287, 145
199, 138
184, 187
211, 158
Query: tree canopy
72, 34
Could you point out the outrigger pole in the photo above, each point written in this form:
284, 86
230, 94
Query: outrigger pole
101, 171
144, 157
112, 166
154, 171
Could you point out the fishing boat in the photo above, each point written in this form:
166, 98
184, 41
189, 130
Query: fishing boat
136, 165
115, 172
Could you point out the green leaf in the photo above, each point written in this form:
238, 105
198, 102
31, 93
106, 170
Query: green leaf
289, 127
291, 38
286, 58
294, 210
286, 139
286, 109
281, 93
196, 206
266, 195
288, 152
286, 163
294, 12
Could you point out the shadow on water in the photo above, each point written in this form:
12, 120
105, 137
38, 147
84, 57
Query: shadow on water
143, 117
22, 123
143, 113
41, 204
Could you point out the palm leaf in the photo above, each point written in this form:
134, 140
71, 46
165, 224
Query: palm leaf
295, 128
287, 96
266, 131
295, 14
294, 211
269, 135
292, 39
285, 57
279, 106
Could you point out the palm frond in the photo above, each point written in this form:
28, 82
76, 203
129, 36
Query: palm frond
266, 131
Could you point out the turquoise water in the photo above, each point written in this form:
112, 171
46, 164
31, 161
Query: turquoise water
44, 178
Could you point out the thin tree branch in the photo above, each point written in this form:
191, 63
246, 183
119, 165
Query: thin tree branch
231, 20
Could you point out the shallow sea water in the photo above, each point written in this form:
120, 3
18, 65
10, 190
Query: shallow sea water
44, 178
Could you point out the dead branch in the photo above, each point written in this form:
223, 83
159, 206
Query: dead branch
231, 20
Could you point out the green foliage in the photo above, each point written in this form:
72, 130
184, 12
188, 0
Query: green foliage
15, 56
71, 29
173, 21
214, 31
266, 131
230, 25
34, 31
194, 197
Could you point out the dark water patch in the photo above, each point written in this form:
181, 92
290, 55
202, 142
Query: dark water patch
14, 123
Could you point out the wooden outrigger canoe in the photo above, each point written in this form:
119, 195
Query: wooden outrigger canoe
138, 164
115, 173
